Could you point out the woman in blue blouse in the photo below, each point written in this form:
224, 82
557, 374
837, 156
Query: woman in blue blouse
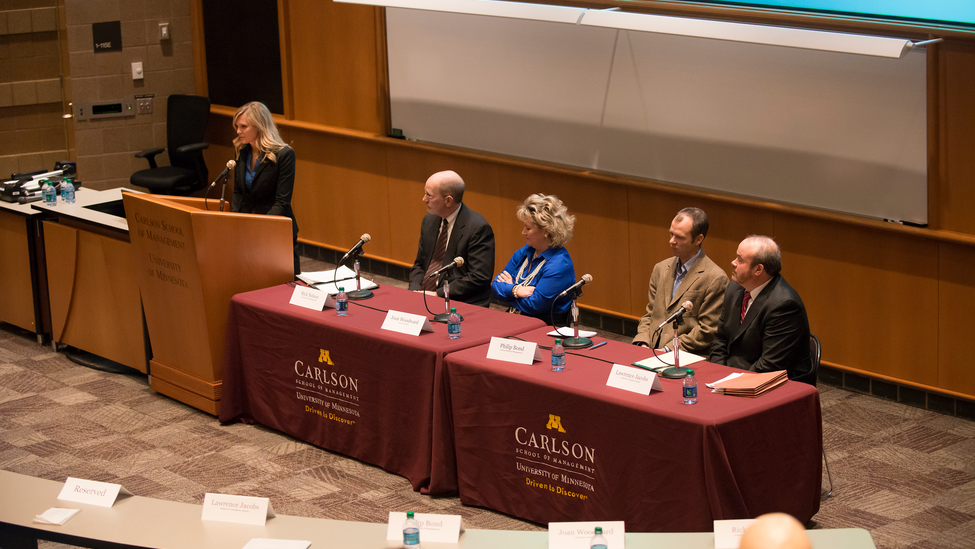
540, 271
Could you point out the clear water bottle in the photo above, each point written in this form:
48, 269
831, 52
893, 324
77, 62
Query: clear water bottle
49, 193
342, 302
411, 532
598, 541
558, 356
67, 191
690, 388
453, 324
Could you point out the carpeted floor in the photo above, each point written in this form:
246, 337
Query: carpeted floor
905, 474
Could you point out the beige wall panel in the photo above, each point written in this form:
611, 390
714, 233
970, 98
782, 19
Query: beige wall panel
955, 323
957, 186
409, 169
340, 190
871, 296
335, 65
600, 239
650, 214
16, 294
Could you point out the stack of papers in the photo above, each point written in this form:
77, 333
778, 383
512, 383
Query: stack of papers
55, 515
343, 276
750, 385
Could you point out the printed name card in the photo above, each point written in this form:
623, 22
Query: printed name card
92, 492
633, 379
512, 350
727, 533
406, 323
577, 535
239, 509
311, 298
433, 528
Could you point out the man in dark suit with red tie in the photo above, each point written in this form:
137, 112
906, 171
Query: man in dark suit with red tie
451, 229
763, 326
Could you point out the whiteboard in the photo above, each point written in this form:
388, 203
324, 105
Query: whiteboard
839, 132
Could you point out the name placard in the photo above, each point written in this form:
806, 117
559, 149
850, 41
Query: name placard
406, 323
577, 535
512, 350
311, 298
239, 509
727, 533
92, 492
433, 528
633, 379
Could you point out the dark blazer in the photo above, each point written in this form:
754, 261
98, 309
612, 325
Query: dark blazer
270, 192
773, 336
472, 239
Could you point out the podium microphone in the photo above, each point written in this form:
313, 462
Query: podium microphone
685, 307
358, 245
457, 262
586, 279
224, 173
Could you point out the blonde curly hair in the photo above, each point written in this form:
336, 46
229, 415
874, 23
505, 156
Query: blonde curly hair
549, 214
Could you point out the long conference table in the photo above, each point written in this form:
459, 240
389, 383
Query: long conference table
563, 446
346, 385
520, 439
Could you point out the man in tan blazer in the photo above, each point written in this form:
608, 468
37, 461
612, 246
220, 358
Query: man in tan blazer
688, 276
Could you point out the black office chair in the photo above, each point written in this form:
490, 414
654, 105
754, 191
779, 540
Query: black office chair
186, 121
815, 354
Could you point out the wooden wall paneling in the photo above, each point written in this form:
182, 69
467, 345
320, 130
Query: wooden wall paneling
95, 300
409, 168
956, 196
199, 48
336, 65
871, 297
956, 301
16, 295
287, 76
650, 215
340, 190
600, 237
220, 135
935, 129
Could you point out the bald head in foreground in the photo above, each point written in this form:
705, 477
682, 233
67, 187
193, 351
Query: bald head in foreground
763, 325
775, 531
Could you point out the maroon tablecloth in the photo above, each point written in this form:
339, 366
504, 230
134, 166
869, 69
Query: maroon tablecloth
562, 446
345, 384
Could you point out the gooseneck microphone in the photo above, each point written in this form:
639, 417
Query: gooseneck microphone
457, 262
224, 173
685, 307
358, 245
586, 279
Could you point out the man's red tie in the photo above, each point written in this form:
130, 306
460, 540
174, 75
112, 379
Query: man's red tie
439, 251
744, 305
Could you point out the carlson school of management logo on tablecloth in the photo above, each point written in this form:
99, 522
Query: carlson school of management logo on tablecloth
326, 391
552, 461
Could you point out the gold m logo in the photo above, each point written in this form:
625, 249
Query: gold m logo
555, 422
325, 358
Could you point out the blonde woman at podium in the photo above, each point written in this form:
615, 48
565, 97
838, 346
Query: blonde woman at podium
264, 177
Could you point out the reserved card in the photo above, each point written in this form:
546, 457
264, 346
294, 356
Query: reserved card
512, 350
406, 323
433, 528
633, 379
311, 298
92, 492
577, 535
727, 533
239, 509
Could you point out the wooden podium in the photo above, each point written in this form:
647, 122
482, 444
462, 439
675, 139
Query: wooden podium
191, 259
